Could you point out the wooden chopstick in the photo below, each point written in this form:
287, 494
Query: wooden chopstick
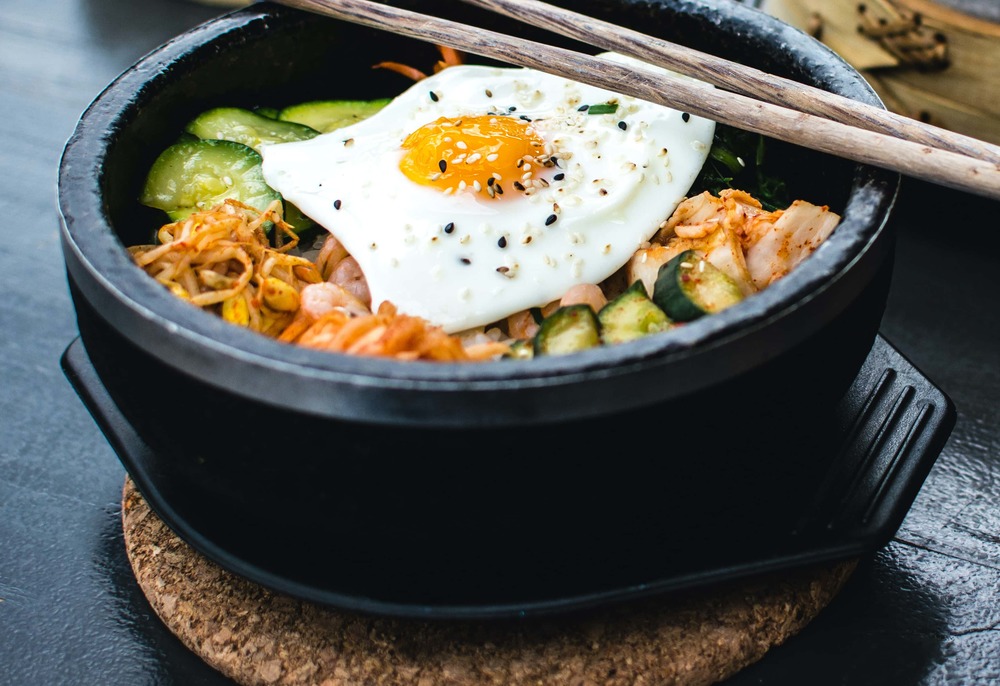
736, 77
918, 160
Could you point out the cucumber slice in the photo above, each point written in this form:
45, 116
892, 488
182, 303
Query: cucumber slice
196, 175
568, 330
328, 115
520, 350
630, 316
301, 224
689, 286
246, 127
269, 112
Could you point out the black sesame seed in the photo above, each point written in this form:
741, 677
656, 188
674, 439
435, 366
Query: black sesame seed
555, 160
686, 117
502, 242
337, 204
583, 108
434, 96
442, 165
525, 117
560, 176
465, 260
622, 125
518, 185
449, 227
499, 189
550, 220
512, 109
490, 181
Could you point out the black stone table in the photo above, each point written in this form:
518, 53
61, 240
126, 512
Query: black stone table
925, 609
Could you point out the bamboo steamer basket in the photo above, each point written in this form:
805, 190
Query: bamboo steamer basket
939, 63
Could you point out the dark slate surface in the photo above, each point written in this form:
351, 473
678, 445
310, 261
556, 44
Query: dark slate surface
923, 610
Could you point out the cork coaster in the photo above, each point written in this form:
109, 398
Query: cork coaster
256, 637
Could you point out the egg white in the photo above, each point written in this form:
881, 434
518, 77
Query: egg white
624, 173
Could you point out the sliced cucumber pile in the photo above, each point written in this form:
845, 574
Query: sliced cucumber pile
217, 156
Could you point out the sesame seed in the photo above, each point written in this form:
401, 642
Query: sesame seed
491, 191
526, 240
524, 117
449, 227
462, 185
686, 117
443, 165
583, 108
337, 204
490, 181
434, 96
603, 191
505, 271
512, 108
373, 246
518, 185
519, 163
435, 176
492, 157
502, 242
560, 176
550, 220
349, 142
701, 266
622, 125
686, 265
474, 157
496, 176
462, 145
499, 189
489, 93
465, 260
477, 186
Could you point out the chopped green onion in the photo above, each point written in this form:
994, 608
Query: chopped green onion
603, 108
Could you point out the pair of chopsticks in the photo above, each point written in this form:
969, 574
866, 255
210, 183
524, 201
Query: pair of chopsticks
744, 97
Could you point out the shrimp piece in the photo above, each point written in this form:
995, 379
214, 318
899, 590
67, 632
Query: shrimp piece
348, 275
522, 324
332, 252
585, 294
317, 299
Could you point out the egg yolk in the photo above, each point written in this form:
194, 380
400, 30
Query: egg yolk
482, 153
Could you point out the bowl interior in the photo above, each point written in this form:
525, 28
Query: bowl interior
269, 55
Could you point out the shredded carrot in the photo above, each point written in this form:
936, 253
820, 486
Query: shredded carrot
403, 69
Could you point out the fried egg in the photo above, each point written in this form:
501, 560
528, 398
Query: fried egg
482, 191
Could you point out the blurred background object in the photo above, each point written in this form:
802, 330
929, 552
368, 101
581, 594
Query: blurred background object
938, 62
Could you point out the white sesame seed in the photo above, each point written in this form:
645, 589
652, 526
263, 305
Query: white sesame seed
474, 157
477, 186
492, 157
686, 265
461, 145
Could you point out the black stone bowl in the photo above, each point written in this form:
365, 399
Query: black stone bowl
457, 477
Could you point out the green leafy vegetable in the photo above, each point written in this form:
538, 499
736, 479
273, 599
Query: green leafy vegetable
737, 160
